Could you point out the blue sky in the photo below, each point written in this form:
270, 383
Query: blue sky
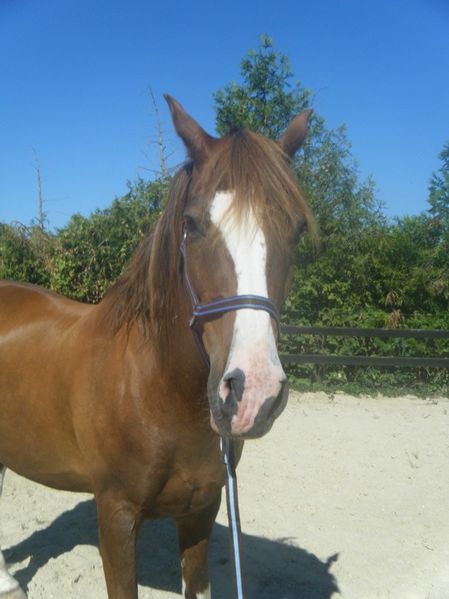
75, 79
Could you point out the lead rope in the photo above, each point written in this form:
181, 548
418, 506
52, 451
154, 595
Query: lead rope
232, 502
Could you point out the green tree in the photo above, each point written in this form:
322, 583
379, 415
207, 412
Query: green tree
335, 282
368, 272
439, 211
25, 254
265, 101
92, 251
439, 191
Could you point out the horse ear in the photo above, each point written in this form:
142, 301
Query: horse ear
293, 138
196, 140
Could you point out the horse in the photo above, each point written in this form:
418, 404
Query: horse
116, 399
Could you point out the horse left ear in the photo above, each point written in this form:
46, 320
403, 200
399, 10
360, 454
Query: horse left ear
293, 138
196, 140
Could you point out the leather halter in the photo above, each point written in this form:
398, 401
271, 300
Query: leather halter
215, 308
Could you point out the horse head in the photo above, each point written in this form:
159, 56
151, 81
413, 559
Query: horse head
241, 219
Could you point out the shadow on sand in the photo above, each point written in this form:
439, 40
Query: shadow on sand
272, 568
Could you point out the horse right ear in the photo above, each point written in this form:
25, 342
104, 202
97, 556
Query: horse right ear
198, 143
294, 136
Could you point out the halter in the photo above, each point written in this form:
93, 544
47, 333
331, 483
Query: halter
200, 313
215, 308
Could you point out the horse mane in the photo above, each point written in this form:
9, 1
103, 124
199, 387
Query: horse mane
147, 291
259, 174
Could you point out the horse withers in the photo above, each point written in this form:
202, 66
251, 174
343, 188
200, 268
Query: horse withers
117, 399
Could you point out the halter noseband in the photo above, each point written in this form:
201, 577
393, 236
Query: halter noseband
215, 308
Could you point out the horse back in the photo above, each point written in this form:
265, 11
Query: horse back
23, 303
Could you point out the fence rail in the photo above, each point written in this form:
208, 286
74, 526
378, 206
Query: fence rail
377, 361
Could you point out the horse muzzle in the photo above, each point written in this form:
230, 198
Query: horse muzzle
246, 402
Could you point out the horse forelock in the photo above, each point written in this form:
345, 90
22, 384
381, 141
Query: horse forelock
258, 173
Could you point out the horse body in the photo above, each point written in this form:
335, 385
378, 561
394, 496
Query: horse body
113, 395
112, 425
114, 399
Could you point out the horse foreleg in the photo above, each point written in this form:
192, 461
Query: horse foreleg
193, 536
9, 587
118, 523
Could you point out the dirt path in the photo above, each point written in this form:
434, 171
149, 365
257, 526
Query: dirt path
345, 497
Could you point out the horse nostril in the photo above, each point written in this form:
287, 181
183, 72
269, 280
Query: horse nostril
236, 381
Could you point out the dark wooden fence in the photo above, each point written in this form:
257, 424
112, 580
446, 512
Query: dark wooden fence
378, 361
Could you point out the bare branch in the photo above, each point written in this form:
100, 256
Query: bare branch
160, 138
40, 203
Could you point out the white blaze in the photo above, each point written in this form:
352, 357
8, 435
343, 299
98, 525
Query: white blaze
253, 348
245, 242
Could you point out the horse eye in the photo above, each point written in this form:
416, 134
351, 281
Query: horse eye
191, 225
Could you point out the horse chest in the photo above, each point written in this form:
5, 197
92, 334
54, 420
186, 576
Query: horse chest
190, 489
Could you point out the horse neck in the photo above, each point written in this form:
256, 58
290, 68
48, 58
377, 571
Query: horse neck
175, 370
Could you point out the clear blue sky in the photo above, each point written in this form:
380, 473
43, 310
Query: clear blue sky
75, 76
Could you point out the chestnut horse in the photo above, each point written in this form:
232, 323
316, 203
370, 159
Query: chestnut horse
115, 399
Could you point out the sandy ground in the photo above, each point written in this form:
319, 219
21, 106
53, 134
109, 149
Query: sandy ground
345, 497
